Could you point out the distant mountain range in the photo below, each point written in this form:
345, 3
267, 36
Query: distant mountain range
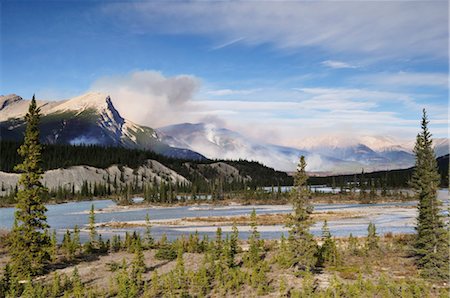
326, 155
93, 119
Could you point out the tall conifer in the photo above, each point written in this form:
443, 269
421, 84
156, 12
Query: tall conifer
432, 249
30, 241
302, 244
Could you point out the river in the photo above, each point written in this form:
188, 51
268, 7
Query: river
399, 217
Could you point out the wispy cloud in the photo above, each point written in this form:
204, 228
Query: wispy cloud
413, 79
227, 43
407, 29
226, 92
337, 64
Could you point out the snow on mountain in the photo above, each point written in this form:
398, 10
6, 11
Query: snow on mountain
332, 154
221, 143
87, 119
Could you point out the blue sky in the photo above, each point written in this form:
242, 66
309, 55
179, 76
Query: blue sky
277, 71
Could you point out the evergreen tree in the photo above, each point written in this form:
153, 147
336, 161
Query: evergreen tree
302, 245
219, 243
284, 255
92, 231
234, 246
76, 240
328, 251
149, 241
431, 243
372, 238
53, 247
30, 242
138, 264
255, 247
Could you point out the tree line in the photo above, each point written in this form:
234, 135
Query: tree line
391, 179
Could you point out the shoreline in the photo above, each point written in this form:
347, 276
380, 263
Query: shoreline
317, 198
266, 219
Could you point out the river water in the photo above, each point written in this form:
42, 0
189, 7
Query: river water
66, 216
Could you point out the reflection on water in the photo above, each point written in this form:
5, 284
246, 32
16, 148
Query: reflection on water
66, 216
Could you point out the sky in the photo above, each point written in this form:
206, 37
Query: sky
280, 72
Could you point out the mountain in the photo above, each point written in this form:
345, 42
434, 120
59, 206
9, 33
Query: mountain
87, 119
323, 154
371, 152
93, 119
441, 146
221, 143
399, 178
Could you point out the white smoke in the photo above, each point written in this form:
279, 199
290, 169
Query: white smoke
150, 98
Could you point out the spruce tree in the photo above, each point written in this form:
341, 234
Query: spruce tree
92, 231
328, 250
372, 237
302, 245
255, 245
149, 241
30, 241
138, 264
431, 245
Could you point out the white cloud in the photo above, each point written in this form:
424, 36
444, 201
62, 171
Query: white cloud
398, 29
226, 92
337, 64
408, 79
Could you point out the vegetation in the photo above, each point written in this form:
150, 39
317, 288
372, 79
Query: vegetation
432, 247
375, 266
302, 246
346, 267
63, 156
30, 241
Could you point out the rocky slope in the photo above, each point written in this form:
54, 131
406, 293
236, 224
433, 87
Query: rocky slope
75, 176
149, 172
87, 119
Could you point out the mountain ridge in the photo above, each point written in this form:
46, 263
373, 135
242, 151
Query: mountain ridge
87, 119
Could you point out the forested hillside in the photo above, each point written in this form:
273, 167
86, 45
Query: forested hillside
63, 156
393, 178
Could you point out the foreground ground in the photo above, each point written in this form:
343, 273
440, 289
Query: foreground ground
385, 271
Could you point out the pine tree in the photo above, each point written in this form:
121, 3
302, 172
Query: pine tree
431, 243
284, 254
255, 249
76, 240
138, 264
328, 251
30, 242
372, 238
301, 242
234, 242
149, 241
54, 247
92, 232
219, 243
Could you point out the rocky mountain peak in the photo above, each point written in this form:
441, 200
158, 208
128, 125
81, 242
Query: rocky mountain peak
7, 100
